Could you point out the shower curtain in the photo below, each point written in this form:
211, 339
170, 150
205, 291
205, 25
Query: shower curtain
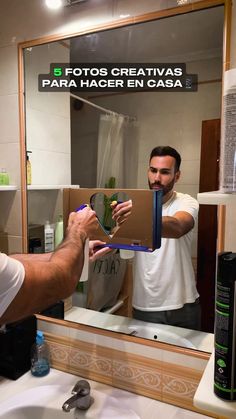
117, 157
117, 151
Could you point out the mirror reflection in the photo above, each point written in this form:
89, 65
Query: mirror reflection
68, 135
104, 206
119, 212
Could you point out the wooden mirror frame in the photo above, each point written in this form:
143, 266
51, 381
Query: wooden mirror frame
199, 5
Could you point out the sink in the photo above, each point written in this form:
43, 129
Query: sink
31, 397
107, 408
35, 403
36, 412
45, 402
158, 333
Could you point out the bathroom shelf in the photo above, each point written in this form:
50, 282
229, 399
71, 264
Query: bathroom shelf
50, 187
216, 198
8, 188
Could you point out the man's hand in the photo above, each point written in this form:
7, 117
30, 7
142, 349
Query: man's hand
95, 251
84, 221
120, 212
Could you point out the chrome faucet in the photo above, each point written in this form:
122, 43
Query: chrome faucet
81, 398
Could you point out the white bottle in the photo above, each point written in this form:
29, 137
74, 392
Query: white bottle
48, 237
84, 273
126, 254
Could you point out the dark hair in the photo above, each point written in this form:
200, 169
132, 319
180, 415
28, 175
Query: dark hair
167, 151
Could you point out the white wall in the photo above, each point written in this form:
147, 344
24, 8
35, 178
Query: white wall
22, 20
48, 119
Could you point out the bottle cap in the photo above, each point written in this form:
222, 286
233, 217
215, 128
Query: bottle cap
39, 337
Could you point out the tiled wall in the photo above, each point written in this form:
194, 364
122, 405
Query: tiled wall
10, 202
48, 118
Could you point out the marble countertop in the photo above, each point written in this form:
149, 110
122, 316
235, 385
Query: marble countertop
206, 399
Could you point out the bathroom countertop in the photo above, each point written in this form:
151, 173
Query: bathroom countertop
206, 399
143, 407
201, 341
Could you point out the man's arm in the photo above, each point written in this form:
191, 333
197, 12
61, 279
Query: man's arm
48, 281
176, 226
33, 257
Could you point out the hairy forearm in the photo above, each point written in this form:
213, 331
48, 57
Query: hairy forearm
51, 277
173, 228
68, 261
34, 257
49, 280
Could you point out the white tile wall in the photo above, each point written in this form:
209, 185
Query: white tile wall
8, 70
50, 168
9, 158
8, 113
48, 131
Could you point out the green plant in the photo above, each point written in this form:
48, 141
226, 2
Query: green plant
111, 184
108, 222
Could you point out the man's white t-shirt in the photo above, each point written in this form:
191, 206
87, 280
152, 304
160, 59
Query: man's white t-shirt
12, 275
164, 279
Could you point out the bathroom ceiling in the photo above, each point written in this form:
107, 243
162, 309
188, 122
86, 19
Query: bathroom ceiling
174, 39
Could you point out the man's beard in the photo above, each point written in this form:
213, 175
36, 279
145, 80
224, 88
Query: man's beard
158, 186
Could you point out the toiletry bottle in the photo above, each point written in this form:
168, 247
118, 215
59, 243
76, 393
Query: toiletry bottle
40, 358
48, 238
28, 169
59, 231
4, 177
225, 327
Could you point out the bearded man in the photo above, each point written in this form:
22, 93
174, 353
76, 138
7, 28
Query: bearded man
164, 281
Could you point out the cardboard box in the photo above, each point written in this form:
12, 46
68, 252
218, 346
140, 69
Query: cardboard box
141, 230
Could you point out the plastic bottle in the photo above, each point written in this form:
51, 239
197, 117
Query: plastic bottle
225, 326
59, 231
4, 177
85, 270
40, 358
28, 169
48, 237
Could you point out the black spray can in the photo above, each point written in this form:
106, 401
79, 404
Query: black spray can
225, 327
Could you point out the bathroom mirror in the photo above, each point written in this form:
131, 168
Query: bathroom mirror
67, 135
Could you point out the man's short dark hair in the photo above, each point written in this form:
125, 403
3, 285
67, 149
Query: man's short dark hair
167, 151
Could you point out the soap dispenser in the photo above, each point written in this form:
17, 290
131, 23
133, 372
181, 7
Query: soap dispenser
40, 358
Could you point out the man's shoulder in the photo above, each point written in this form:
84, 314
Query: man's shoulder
180, 196
185, 202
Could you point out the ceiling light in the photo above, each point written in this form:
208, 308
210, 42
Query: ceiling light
54, 4
182, 2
